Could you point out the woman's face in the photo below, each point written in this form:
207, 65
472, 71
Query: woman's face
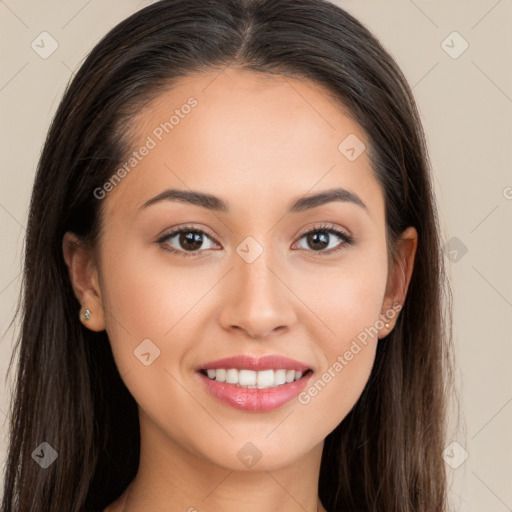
260, 277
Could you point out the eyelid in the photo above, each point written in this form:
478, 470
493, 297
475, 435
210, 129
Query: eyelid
184, 227
325, 226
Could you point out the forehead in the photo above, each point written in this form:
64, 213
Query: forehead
253, 139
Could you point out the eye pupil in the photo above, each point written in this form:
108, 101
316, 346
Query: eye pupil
191, 240
319, 236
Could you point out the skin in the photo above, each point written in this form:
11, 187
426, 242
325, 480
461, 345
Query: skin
258, 142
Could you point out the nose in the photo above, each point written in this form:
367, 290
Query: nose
258, 300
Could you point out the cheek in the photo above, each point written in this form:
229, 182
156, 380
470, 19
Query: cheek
151, 306
348, 304
333, 392
149, 294
346, 298
347, 356
131, 292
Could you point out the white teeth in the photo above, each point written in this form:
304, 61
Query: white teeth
247, 378
265, 379
280, 377
232, 376
220, 375
253, 379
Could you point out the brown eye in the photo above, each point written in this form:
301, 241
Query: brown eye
190, 240
185, 240
318, 239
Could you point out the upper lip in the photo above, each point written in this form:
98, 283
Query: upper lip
246, 362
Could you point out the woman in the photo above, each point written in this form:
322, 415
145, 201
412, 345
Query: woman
234, 294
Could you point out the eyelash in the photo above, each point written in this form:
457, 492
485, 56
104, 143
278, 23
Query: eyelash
347, 240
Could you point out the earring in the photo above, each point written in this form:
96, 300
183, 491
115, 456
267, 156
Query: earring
85, 314
387, 326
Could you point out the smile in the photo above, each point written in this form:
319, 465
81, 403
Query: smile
265, 392
253, 379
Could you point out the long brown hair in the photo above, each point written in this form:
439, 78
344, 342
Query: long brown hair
386, 455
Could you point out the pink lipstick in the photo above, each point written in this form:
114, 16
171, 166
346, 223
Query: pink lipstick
255, 384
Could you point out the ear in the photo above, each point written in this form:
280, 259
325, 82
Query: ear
399, 278
83, 274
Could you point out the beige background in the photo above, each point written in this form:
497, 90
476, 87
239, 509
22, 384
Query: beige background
466, 106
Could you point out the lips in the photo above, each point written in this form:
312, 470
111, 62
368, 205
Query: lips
254, 398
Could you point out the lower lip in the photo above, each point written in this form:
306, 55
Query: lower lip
252, 399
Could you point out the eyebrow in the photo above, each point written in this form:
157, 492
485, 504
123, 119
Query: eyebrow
214, 203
